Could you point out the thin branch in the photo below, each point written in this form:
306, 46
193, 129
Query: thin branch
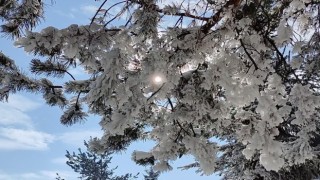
65, 71
105, 13
194, 133
129, 20
170, 102
176, 140
77, 101
95, 15
179, 20
113, 29
56, 87
248, 54
216, 17
182, 128
184, 14
53, 87
70, 75
112, 19
280, 56
155, 92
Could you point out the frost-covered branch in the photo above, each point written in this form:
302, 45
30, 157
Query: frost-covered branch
20, 15
182, 86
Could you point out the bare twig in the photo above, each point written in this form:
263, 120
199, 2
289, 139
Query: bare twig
248, 54
170, 102
105, 13
281, 57
194, 133
155, 92
98, 10
176, 140
181, 127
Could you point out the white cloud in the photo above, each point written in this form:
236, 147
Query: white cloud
14, 112
22, 103
76, 138
59, 160
13, 139
17, 131
30, 176
46, 174
63, 174
89, 9
11, 116
65, 14
4, 176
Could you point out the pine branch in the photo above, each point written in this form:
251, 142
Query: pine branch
73, 115
20, 16
49, 68
6, 62
82, 86
52, 94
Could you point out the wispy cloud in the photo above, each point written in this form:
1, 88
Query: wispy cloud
46, 174
10, 116
22, 103
69, 14
59, 160
64, 174
13, 139
17, 131
4, 176
89, 9
14, 112
30, 176
76, 138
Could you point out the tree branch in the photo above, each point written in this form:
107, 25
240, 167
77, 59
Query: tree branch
183, 14
280, 56
182, 128
248, 54
98, 10
170, 102
155, 92
194, 133
216, 17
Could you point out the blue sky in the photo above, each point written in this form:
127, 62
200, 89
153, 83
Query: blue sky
32, 140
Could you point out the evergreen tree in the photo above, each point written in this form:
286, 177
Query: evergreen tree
245, 72
151, 175
93, 166
59, 177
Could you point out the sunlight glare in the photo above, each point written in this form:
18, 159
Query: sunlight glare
157, 79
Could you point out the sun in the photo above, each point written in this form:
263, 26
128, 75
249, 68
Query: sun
157, 79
